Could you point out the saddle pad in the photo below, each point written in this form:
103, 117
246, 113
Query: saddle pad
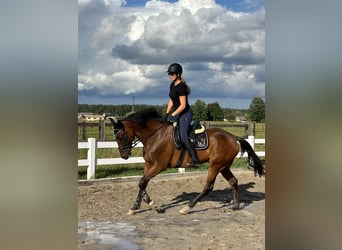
201, 139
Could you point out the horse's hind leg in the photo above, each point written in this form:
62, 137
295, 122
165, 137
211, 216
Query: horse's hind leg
228, 175
208, 187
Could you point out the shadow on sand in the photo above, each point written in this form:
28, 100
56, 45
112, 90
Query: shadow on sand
223, 197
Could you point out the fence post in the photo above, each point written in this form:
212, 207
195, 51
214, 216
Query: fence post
206, 124
102, 130
251, 140
246, 130
254, 128
84, 132
91, 158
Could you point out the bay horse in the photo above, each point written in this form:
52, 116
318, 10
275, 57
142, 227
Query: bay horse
160, 153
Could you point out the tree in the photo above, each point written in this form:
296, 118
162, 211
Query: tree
257, 110
215, 112
229, 114
200, 110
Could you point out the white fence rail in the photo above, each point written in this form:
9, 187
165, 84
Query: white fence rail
92, 161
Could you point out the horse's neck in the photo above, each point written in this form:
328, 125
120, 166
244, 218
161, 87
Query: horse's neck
151, 129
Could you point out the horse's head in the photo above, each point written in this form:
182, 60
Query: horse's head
123, 138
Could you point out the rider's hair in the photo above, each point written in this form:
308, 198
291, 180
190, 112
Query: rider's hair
188, 90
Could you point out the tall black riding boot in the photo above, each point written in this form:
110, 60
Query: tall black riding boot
195, 161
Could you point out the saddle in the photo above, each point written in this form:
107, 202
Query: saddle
197, 135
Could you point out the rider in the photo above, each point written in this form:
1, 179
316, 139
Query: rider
182, 112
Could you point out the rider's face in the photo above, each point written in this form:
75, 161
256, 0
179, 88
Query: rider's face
173, 76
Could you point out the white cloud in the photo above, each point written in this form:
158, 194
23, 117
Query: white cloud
115, 2
125, 50
83, 2
127, 80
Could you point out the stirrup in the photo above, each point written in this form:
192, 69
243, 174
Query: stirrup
193, 165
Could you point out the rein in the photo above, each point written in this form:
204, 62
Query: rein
153, 132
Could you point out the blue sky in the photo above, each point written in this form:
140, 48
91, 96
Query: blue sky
126, 46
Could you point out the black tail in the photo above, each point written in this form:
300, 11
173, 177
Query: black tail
253, 160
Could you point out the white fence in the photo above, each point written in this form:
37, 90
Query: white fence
92, 161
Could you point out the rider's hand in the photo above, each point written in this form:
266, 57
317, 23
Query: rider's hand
167, 117
173, 119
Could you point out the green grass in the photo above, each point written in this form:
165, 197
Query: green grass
108, 153
93, 132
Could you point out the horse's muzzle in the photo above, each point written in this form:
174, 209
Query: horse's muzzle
125, 154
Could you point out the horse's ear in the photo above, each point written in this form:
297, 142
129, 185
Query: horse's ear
116, 123
113, 120
119, 125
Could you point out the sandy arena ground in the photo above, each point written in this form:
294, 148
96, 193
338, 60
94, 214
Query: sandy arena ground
211, 224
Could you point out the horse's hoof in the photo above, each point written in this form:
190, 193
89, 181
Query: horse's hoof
131, 212
151, 203
184, 210
235, 207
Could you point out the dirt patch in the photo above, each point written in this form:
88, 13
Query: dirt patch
211, 224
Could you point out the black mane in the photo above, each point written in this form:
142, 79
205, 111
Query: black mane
142, 116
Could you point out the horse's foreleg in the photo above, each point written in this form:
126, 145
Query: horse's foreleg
142, 195
137, 203
147, 198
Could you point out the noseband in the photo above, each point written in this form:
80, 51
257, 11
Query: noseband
128, 145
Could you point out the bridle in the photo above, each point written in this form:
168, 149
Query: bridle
128, 145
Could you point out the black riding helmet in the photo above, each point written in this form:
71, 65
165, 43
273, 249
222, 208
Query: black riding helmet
175, 68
